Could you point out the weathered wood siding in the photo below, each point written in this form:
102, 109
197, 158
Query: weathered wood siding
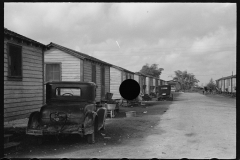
87, 67
70, 65
147, 91
154, 84
233, 84
107, 79
140, 83
115, 82
131, 76
23, 97
136, 78
98, 82
123, 75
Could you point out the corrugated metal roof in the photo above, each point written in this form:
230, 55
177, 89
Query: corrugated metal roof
16, 35
76, 53
233, 76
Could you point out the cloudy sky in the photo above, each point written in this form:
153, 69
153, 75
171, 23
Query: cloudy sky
197, 37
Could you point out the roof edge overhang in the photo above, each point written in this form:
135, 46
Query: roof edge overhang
233, 76
77, 54
10, 33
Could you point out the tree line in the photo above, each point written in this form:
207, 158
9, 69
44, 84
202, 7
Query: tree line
185, 80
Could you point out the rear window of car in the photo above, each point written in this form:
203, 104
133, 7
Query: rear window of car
164, 88
63, 92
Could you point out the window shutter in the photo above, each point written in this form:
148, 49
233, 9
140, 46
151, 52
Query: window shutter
15, 60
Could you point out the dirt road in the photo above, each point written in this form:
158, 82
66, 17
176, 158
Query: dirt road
191, 126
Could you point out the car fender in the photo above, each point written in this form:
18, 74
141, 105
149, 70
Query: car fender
89, 122
34, 120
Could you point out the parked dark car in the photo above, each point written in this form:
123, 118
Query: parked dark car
164, 93
146, 97
70, 109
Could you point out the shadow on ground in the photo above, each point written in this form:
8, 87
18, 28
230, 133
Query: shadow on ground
118, 131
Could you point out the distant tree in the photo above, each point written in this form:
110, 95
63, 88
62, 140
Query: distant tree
152, 70
211, 84
186, 80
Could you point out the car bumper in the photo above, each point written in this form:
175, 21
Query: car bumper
55, 130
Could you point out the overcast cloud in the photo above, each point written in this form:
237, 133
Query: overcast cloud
197, 37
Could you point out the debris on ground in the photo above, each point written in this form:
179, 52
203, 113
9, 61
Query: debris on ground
103, 134
145, 112
107, 137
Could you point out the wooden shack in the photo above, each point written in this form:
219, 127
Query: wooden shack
23, 75
142, 81
64, 64
227, 83
117, 76
115, 81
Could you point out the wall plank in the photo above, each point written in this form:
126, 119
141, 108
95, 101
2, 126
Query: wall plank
22, 95
20, 116
6, 92
10, 114
21, 104
98, 82
22, 100
15, 87
115, 82
70, 65
87, 71
22, 108
107, 79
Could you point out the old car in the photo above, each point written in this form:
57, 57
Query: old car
70, 109
164, 93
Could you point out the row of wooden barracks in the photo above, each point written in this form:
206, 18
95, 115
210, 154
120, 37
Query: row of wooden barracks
227, 84
28, 65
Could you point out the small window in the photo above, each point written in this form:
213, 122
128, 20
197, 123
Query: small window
53, 72
164, 88
68, 92
14, 61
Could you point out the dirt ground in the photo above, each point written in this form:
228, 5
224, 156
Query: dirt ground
191, 126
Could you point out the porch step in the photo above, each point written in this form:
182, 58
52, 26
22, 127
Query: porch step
11, 144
